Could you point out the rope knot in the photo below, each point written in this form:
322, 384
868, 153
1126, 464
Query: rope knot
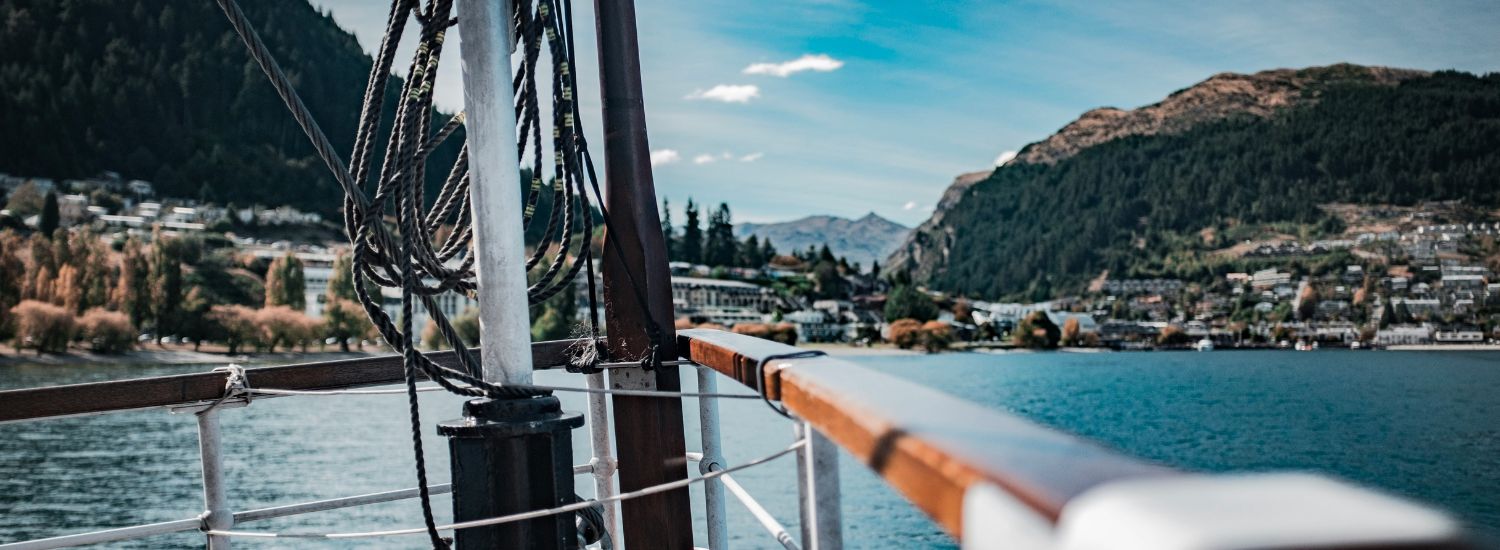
236, 385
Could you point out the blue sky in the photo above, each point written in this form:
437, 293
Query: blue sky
895, 98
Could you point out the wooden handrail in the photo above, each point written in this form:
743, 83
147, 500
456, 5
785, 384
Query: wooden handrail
186, 389
929, 445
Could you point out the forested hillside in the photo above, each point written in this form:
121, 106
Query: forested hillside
1034, 230
164, 91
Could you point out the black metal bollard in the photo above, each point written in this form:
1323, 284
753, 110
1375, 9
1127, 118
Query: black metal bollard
511, 456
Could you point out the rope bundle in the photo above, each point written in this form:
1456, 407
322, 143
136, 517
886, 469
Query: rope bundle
411, 259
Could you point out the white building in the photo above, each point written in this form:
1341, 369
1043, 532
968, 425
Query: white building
692, 294
1404, 335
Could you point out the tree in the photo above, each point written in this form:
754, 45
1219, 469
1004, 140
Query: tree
936, 336
106, 331
691, 245
1070, 331
26, 200
906, 333
236, 324
667, 232
1036, 331
719, 247
906, 302
50, 216
194, 315
132, 294
284, 283
1307, 303
829, 283
12, 277
963, 312
285, 326
42, 326
749, 253
466, 325
344, 320
1173, 336
166, 284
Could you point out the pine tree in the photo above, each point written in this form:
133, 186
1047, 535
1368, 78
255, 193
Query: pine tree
749, 253
719, 245
692, 235
50, 217
667, 232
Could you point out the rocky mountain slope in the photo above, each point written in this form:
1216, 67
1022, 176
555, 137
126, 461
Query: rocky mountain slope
1108, 190
867, 239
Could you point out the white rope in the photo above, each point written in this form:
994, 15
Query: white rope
523, 515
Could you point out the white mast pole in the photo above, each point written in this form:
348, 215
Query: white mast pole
495, 190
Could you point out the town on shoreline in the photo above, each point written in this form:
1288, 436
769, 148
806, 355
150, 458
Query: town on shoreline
102, 265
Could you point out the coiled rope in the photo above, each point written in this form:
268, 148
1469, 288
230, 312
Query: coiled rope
409, 259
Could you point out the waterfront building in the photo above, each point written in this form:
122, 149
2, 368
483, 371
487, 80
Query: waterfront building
815, 326
691, 294
1397, 335
1458, 335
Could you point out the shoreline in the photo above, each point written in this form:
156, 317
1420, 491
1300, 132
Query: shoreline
153, 355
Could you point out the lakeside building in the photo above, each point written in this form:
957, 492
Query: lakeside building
696, 293
1397, 335
1458, 335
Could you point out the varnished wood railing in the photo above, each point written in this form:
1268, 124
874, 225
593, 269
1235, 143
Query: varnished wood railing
185, 389
929, 445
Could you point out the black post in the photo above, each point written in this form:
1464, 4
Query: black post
648, 431
511, 456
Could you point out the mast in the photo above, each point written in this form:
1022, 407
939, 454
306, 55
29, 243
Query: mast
495, 190
508, 455
649, 431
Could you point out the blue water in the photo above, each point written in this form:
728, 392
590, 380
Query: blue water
1421, 424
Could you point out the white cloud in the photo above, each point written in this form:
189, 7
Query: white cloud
910, 205
1004, 158
752, 157
728, 93
664, 156
821, 63
705, 159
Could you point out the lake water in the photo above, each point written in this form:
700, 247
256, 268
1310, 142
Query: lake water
1421, 424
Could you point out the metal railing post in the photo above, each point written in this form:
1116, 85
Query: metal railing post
713, 456
603, 463
217, 516
818, 490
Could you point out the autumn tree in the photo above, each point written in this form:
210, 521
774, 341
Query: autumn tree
284, 283
936, 336
132, 292
12, 277
106, 331
1036, 331
906, 333
166, 284
343, 317
42, 326
235, 324
1070, 331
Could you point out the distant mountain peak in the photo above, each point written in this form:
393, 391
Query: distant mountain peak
867, 239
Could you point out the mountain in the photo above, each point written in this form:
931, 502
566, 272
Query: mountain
164, 91
864, 240
1135, 192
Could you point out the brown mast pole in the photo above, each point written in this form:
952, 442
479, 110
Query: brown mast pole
648, 431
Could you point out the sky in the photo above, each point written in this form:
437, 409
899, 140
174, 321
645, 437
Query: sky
788, 108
